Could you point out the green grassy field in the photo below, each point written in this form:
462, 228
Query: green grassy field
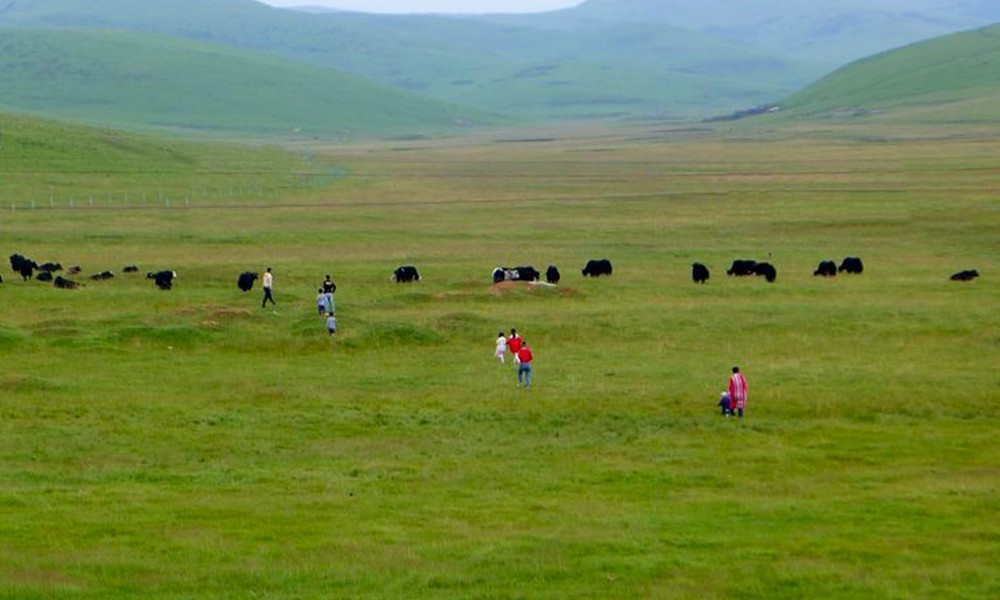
188, 444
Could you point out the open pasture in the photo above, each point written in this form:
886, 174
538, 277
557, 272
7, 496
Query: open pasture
188, 444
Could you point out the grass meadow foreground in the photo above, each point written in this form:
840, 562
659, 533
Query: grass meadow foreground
188, 444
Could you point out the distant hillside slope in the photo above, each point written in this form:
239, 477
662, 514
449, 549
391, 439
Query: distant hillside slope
623, 69
140, 80
952, 78
831, 32
47, 161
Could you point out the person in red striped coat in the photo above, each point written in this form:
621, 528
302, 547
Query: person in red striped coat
737, 392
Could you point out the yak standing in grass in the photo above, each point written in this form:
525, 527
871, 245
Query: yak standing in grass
741, 268
596, 268
552, 275
527, 273
405, 274
23, 266
164, 279
521, 273
826, 268
699, 273
766, 270
851, 264
245, 280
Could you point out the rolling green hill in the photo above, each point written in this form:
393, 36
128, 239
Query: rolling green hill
953, 78
624, 69
158, 82
47, 162
602, 59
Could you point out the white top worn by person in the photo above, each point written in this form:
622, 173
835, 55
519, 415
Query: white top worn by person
501, 351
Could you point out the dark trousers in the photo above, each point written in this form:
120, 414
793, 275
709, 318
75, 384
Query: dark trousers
267, 296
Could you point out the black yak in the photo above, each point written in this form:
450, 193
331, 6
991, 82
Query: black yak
245, 280
826, 268
527, 274
766, 270
164, 279
405, 274
596, 268
699, 273
851, 264
967, 275
742, 268
23, 266
65, 284
552, 274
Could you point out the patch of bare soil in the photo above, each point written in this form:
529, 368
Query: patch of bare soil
531, 287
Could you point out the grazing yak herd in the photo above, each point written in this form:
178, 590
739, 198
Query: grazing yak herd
593, 268
46, 272
743, 268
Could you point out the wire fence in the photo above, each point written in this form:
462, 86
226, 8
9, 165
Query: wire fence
152, 199
72, 196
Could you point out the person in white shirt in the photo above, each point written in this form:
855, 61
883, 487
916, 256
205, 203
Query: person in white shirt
501, 352
267, 281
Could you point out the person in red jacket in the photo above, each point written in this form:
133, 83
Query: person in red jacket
737, 392
514, 343
524, 358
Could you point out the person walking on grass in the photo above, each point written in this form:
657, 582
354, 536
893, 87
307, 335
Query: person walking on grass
329, 287
267, 281
331, 324
322, 304
501, 348
524, 358
514, 343
737, 392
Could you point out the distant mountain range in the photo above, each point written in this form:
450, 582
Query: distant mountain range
603, 59
827, 32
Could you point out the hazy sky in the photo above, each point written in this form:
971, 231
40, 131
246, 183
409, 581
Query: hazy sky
424, 6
